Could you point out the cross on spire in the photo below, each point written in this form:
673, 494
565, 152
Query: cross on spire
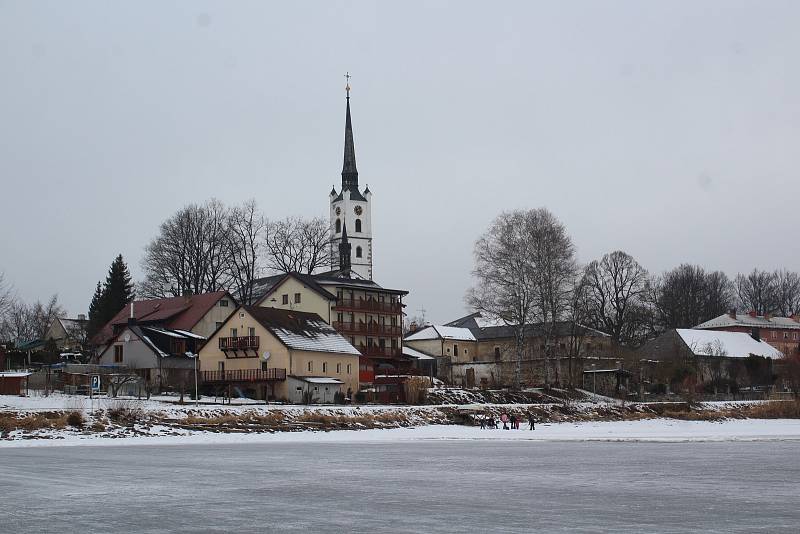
347, 86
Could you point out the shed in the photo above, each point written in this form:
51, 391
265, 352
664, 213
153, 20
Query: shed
14, 383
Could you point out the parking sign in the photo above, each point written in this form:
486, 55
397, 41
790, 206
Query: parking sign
95, 382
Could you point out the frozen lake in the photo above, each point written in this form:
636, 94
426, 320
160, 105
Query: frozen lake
442, 486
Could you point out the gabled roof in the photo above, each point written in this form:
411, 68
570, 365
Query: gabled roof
301, 331
484, 328
727, 344
304, 279
178, 313
749, 321
442, 332
147, 334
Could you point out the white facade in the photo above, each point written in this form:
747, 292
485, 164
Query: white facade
355, 215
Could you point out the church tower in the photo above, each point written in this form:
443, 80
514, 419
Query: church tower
351, 213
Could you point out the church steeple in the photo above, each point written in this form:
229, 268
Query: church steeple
349, 171
345, 249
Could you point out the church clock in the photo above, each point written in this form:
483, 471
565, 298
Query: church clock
338, 211
358, 210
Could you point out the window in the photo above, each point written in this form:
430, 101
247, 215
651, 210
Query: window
340, 317
358, 252
264, 366
352, 341
338, 226
358, 225
774, 334
455, 350
297, 298
324, 367
285, 299
310, 367
179, 347
223, 303
394, 343
497, 353
118, 353
349, 368
338, 368
234, 332
786, 335
251, 331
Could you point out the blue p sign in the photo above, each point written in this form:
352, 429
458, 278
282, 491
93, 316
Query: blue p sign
95, 382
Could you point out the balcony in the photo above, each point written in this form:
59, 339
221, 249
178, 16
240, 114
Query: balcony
244, 375
380, 352
239, 343
369, 305
367, 329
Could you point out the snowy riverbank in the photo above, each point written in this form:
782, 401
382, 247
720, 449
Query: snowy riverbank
652, 430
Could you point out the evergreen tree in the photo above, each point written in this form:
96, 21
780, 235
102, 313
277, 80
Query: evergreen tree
118, 289
111, 297
95, 311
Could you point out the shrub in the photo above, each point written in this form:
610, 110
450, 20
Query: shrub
76, 419
124, 412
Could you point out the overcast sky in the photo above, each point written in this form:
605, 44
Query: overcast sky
670, 130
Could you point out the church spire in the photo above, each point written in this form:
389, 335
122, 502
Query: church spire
349, 171
345, 249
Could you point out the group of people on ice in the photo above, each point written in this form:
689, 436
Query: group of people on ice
490, 422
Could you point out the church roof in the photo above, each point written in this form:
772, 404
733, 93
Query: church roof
349, 170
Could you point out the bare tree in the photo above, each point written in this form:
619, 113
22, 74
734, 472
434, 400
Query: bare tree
616, 286
757, 291
43, 316
577, 316
299, 245
787, 285
24, 322
687, 295
554, 271
6, 296
246, 227
190, 254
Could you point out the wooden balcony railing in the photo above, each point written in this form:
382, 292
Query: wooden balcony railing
244, 375
362, 328
239, 343
380, 352
369, 305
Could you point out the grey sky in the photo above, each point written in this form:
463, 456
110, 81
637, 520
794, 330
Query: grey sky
669, 130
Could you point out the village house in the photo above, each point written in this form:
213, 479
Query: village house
68, 334
196, 314
273, 353
475, 351
706, 360
783, 333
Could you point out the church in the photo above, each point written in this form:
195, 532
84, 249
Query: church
347, 297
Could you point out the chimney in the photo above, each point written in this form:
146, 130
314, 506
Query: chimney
755, 333
81, 317
132, 318
752, 313
732, 313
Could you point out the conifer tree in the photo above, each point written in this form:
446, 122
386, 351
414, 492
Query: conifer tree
111, 297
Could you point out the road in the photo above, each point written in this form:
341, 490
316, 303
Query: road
441, 486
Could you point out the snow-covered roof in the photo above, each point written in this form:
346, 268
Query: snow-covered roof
408, 351
729, 344
301, 331
15, 374
170, 333
442, 332
750, 321
318, 379
190, 334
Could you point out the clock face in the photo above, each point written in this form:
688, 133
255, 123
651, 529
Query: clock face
338, 211
358, 210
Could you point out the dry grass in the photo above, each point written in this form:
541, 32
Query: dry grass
76, 419
775, 410
33, 422
125, 412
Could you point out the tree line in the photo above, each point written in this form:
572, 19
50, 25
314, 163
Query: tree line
212, 247
526, 272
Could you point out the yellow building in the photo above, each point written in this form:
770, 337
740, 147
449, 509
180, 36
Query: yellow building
281, 354
369, 316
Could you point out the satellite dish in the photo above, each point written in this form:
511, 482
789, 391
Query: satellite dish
126, 337
266, 355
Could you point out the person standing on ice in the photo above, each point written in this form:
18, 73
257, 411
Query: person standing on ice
504, 419
514, 422
531, 421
